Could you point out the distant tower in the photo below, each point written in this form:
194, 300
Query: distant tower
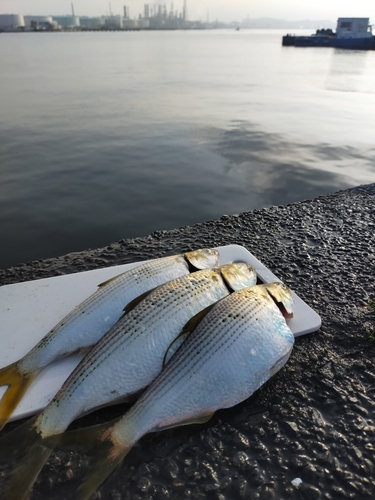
126, 14
147, 12
72, 10
184, 14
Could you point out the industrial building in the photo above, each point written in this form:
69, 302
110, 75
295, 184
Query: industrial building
155, 16
37, 23
67, 22
11, 22
92, 23
158, 17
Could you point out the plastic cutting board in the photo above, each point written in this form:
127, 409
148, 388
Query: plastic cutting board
29, 310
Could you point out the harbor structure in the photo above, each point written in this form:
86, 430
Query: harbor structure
92, 23
353, 33
11, 22
114, 22
159, 16
67, 22
154, 16
39, 23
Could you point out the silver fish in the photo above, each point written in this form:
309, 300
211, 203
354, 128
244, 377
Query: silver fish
124, 361
90, 320
236, 348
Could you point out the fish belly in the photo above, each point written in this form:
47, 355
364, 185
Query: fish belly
229, 356
131, 355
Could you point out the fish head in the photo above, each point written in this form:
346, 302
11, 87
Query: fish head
238, 275
282, 295
204, 258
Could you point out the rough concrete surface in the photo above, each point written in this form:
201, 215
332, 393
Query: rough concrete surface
314, 420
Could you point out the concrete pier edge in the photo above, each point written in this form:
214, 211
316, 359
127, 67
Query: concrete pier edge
315, 420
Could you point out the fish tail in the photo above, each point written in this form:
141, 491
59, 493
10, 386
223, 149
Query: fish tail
22, 478
19, 441
25, 445
99, 472
108, 452
18, 382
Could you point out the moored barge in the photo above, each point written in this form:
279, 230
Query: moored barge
353, 33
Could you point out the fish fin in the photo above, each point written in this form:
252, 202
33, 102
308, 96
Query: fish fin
108, 281
173, 346
81, 437
22, 478
189, 327
196, 319
25, 445
133, 303
18, 442
108, 460
18, 383
97, 441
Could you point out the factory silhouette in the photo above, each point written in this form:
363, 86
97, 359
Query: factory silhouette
155, 17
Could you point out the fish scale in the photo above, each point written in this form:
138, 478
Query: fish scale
90, 320
232, 351
240, 343
130, 355
123, 362
155, 310
150, 311
112, 296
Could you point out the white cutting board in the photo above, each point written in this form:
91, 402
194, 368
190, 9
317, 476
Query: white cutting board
29, 310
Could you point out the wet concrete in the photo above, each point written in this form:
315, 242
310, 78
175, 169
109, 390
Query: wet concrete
315, 420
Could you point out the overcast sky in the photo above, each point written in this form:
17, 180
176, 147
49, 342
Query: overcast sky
223, 10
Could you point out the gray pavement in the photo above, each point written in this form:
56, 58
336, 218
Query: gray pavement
315, 420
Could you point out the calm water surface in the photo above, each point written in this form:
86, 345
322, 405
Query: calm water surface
106, 136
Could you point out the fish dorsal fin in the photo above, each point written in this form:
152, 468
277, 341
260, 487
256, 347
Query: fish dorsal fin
174, 345
108, 281
133, 303
185, 332
196, 319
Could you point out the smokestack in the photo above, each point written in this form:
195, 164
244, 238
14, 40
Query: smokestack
72, 10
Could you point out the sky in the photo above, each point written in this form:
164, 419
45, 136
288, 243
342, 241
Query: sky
222, 10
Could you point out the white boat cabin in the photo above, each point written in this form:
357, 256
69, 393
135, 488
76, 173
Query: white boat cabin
353, 27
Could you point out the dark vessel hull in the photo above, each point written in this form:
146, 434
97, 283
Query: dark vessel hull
330, 41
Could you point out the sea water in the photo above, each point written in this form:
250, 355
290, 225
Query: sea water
113, 135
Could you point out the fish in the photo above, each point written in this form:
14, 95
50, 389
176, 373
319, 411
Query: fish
89, 321
239, 344
122, 363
